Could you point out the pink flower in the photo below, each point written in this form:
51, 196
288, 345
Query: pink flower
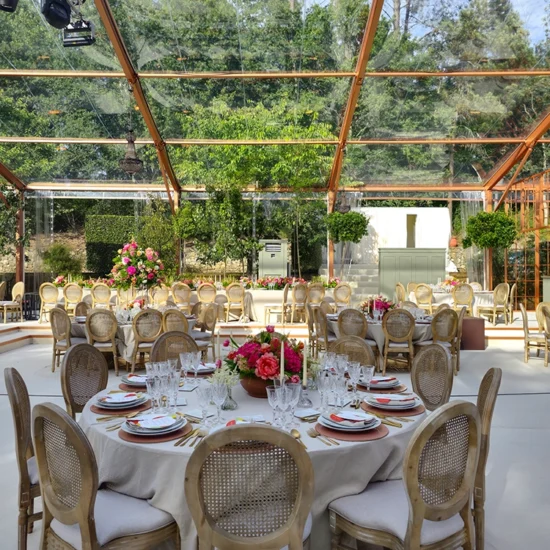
295, 379
131, 270
226, 343
265, 347
293, 362
126, 260
268, 367
151, 276
218, 363
270, 328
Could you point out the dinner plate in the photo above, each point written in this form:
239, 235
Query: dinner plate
124, 405
135, 380
381, 384
388, 407
136, 430
349, 416
337, 427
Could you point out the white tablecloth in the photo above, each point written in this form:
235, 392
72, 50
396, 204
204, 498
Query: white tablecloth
156, 471
483, 298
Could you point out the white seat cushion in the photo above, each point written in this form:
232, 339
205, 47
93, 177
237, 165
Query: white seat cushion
74, 341
371, 343
384, 506
9, 303
32, 468
398, 345
536, 336
145, 345
199, 335
425, 343
116, 515
103, 345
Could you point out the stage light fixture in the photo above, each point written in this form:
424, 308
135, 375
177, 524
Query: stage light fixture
79, 33
8, 5
57, 13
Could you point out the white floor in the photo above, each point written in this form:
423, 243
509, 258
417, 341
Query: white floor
518, 472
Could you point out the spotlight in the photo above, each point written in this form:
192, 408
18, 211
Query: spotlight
79, 33
8, 5
56, 12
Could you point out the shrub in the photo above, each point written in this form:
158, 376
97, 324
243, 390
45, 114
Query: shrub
349, 227
60, 259
490, 230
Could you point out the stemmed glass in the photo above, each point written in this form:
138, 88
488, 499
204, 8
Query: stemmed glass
329, 360
284, 399
219, 395
294, 391
196, 363
324, 386
153, 389
204, 394
368, 373
273, 400
354, 371
341, 364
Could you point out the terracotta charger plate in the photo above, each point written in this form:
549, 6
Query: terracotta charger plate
126, 387
368, 435
409, 412
398, 389
117, 412
134, 438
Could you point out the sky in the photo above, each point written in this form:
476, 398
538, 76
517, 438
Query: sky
532, 14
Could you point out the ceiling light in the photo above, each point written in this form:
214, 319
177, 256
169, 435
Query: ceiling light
79, 33
8, 5
131, 164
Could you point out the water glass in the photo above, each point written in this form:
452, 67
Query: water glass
294, 391
173, 380
324, 386
368, 373
272, 398
204, 394
196, 363
284, 399
154, 390
354, 371
219, 395
329, 360
341, 364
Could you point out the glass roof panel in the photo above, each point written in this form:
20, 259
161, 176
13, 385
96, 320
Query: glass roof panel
27, 41
455, 35
446, 107
244, 109
419, 164
265, 35
67, 107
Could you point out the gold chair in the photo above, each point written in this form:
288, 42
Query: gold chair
411, 287
398, 327
455, 348
409, 304
444, 327
61, 332
125, 296
174, 319
101, 326
476, 286
442, 306
463, 296
3, 286
169, 345
82, 309
270, 477
147, 327
352, 322
207, 293
424, 297
486, 399
29, 487
299, 298
182, 296
500, 303
342, 296
535, 340
76, 513
235, 300
312, 335
315, 293
204, 337
512, 302
356, 348
72, 294
324, 337
540, 316
430, 508
101, 296
326, 306
546, 314
84, 373
432, 376
159, 295
49, 294
277, 309
400, 293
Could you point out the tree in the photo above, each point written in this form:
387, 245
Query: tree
61, 260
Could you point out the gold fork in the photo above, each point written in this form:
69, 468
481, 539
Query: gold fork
115, 416
201, 434
185, 438
312, 433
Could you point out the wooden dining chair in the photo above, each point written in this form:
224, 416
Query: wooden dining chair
324, 336
48, 294
463, 296
356, 348
29, 487
531, 340
84, 373
169, 345
456, 344
432, 376
147, 327
82, 309
174, 319
312, 334
430, 508
101, 327
61, 332
277, 309
101, 296
444, 327
159, 295
411, 287
125, 296
352, 322
409, 304
512, 302
207, 293
235, 300
500, 304
298, 304
424, 297
315, 293
476, 286
442, 306
398, 327
400, 293
77, 514
182, 296
270, 477
206, 325
486, 400
3, 286
342, 295
326, 306
540, 316
72, 294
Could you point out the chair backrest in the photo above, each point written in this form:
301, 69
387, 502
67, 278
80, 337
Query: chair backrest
310, 318
48, 294
432, 376
174, 320
235, 293
315, 293
159, 295
355, 348
285, 294
207, 293
461, 316
67, 469
486, 400
423, 294
476, 286
400, 293
501, 293
321, 326
513, 294
398, 325
299, 293
61, 324
18, 291
125, 295
463, 294
440, 465
524, 319
170, 344
249, 487
342, 294
21, 412
326, 306
101, 325
208, 318
3, 285
181, 293
411, 287
72, 293
444, 325
352, 322
408, 303
81, 309
540, 315
84, 372
101, 294
147, 325
442, 306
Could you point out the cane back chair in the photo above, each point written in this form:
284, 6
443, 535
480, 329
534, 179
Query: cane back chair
398, 327
61, 333
324, 336
147, 327
355, 348
182, 296
299, 298
3, 286
411, 287
72, 294
207, 293
476, 286
101, 326
277, 309
49, 294
535, 340
500, 303
352, 322
159, 295
204, 337
315, 293
400, 293
16, 303
169, 345
235, 300
463, 296
125, 296
424, 297
101, 296
512, 302
342, 296
174, 319
312, 334
82, 309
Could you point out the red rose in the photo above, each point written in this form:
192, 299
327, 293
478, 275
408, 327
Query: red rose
267, 367
275, 343
231, 355
270, 328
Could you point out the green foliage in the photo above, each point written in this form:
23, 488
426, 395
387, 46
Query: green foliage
490, 230
8, 221
349, 227
61, 260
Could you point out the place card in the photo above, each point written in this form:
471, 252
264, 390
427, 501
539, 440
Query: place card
197, 413
306, 413
188, 387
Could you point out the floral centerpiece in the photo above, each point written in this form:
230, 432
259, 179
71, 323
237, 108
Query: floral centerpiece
189, 282
258, 360
60, 281
277, 283
379, 303
137, 267
449, 283
333, 282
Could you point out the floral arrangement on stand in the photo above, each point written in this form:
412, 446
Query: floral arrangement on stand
89, 283
277, 283
449, 283
333, 282
60, 281
137, 267
379, 303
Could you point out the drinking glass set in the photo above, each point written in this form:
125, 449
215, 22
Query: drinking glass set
211, 392
283, 399
190, 363
163, 380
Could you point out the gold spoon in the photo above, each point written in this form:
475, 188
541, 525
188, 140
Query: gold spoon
200, 435
183, 439
296, 435
312, 433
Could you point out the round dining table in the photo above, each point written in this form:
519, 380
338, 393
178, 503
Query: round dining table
482, 298
156, 471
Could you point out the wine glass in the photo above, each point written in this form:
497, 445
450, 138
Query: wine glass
341, 364
329, 360
323, 385
354, 371
294, 391
284, 400
368, 373
219, 395
204, 394
272, 398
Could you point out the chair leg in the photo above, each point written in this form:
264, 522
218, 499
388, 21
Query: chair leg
479, 522
526, 353
53, 359
30, 512
22, 529
336, 532
115, 360
292, 314
546, 355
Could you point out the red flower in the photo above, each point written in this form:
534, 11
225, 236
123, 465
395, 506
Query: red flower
275, 343
226, 343
295, 379
270, 328
231, 355
293, 362
267, 367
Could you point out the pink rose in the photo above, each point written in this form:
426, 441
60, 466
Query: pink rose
151, 276
226, 343
218, 363
267, 367
295, 379
265, 347
131, 270
125, 260
270, 328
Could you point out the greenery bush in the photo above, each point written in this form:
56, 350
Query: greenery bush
490, 230
105, 234
349, 227
61, 260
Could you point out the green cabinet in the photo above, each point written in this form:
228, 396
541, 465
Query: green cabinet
409, 265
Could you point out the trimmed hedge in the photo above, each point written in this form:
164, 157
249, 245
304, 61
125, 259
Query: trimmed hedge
105, 234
